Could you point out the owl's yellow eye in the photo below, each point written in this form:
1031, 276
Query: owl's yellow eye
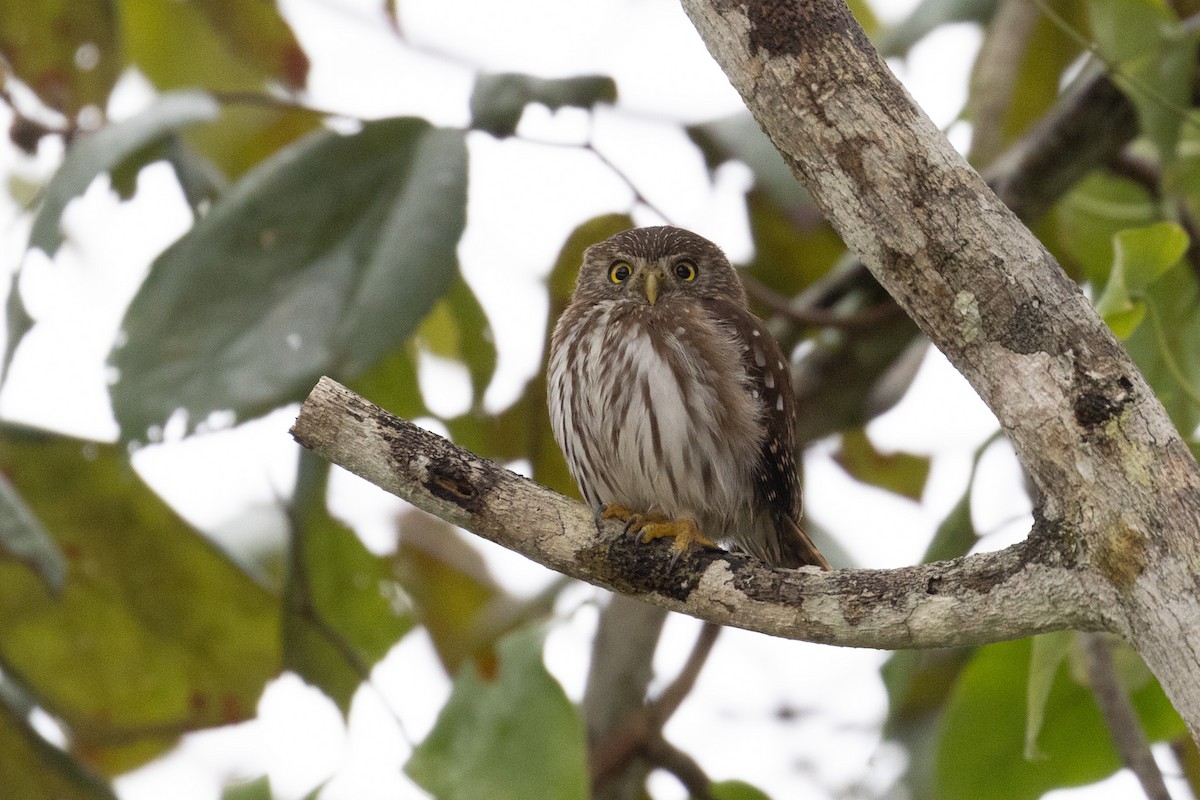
619, 272
685, 271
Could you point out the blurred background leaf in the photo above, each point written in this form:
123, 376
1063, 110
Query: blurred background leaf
124, 656
343, 244
510, 735
343, 610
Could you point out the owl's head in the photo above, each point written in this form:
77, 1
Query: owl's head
657, 265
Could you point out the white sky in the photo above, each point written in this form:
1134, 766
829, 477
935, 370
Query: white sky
524, 199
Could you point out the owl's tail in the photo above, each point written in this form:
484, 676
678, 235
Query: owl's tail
797, 549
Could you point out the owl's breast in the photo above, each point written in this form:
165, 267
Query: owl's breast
654, 410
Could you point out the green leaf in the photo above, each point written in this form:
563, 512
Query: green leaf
736, 790
793, 246
392, 383
42, 43
225, 46
99, 152
22, 537
1152, 55
257, 789
457, 329
220, 44
919, 684
1092, 213
343, 609
1145, 254
901, 473
956, 534
34, 768
318, 262
258, 34
199, 179
452, 591
1140, 257
512, 735
1047, 654
155, 632
981, 752
1167, 351
499, 99
740, 137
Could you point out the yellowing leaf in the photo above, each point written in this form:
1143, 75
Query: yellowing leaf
452, 592
901, 473
156, 632
65, 50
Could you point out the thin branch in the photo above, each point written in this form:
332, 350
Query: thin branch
665, 705
686, 769
815, 317
971, 600
590, 147
1120, 717
643, 728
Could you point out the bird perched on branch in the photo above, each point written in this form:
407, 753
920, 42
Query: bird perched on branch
673, 403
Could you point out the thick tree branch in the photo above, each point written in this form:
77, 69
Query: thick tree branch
980, 598
1119, 490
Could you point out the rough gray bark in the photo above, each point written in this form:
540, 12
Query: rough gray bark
980, 598
1119, 491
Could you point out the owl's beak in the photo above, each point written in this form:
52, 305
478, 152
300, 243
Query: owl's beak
652, 287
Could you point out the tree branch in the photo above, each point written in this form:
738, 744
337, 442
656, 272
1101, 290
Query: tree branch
1119, 490
644, 726
980, 598
1120, 716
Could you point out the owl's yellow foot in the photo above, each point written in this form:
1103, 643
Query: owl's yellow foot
683, 531
634, 520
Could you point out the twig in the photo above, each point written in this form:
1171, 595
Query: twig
310, 485
665, 705
641, 734
685, 768
815, 317
1120, 717
590, 146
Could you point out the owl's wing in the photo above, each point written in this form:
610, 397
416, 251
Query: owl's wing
775, 478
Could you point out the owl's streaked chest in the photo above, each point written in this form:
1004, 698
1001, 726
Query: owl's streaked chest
653, 409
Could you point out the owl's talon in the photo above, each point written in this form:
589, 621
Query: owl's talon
634, 521
684, 532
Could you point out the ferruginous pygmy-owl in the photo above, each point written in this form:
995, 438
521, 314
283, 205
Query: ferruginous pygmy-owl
673, 403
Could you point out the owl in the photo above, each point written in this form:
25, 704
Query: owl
673, 403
